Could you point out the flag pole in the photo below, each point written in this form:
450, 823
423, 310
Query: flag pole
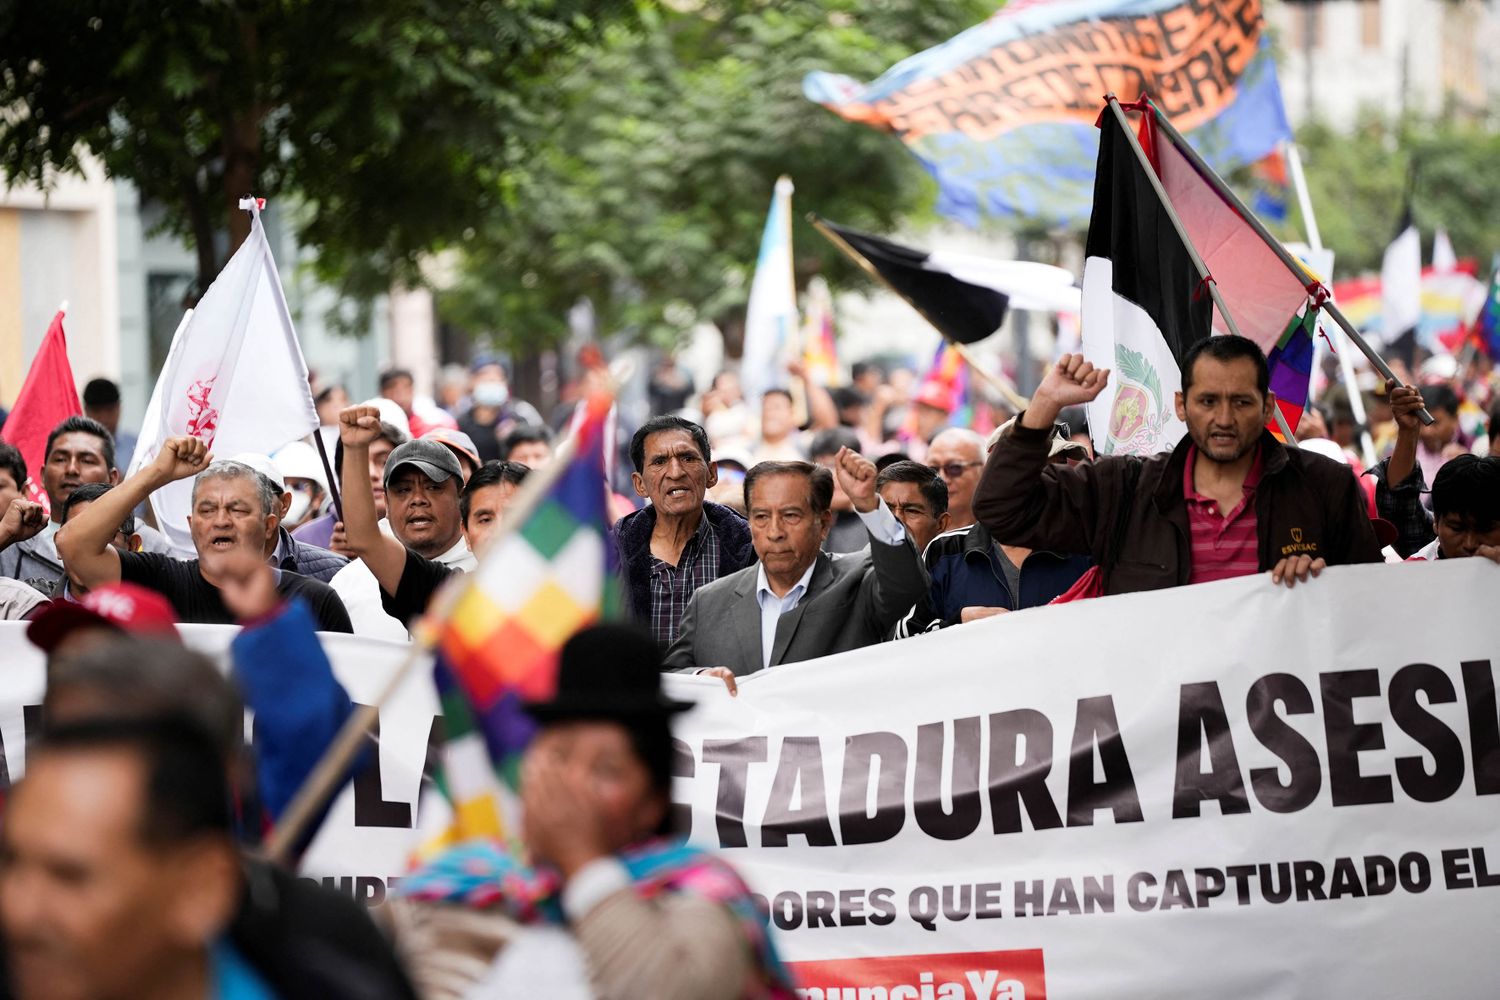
1346, 361
333, 489
327, 775
1217, 183
792, 345
1198, 262
998, 382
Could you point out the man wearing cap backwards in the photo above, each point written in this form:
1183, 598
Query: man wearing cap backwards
422, 484
613, 907
461, 445
1229, 500
974, 576
233, 509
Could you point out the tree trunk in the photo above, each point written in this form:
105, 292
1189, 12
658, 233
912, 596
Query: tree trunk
242, 139
241, 164
203, 240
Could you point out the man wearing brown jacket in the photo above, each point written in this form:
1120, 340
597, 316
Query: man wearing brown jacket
1229, 500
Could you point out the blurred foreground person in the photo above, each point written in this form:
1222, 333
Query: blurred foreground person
119, 873
300, 939
614, 907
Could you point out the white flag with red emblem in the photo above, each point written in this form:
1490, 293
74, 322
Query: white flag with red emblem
234, 376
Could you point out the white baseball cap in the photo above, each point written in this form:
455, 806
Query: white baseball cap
299, 460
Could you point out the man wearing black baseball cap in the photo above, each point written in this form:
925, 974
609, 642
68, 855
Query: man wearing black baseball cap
423, 481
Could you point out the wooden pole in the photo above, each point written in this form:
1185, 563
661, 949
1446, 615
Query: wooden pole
1217, 183
1198, 262
327, 775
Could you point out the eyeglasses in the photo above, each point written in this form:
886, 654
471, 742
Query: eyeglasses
952, 470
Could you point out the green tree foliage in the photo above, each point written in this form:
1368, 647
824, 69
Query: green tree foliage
665, 140
391, 123
1358, 181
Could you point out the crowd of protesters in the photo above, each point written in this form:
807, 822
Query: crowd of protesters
750, 534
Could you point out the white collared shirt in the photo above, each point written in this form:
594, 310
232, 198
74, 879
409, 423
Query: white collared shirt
883, 528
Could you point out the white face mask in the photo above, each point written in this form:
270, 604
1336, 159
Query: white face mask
300, 505
491, 393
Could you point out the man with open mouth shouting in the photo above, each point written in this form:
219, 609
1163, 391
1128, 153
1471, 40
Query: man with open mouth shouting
234, 509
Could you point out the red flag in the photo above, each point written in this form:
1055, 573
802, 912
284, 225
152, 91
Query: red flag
48, 397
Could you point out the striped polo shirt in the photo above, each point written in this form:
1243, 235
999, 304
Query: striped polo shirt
1224, 545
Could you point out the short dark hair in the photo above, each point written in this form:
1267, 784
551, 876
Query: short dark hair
141, 678
1440, 396
819, 481
1226, 348
83, 425
859, 368
657, 425
934, 489
100, 392
186, 793
1470, 487
890, 459
778, 391
830, 440
393, 375
525, 434
845, 396
1494, 422
12, 461
88, 493
491, 473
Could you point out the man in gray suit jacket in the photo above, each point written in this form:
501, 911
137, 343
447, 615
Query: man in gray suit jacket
797, 602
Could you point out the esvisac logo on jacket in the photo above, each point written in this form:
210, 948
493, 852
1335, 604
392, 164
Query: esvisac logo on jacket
1298, 546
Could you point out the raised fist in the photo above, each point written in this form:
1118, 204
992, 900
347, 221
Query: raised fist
359, 426
856, 475
20, 521
181, 458
1072, 381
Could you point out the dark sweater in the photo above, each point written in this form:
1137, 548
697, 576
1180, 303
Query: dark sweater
633, 536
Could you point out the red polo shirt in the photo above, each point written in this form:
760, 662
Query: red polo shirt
1224, 545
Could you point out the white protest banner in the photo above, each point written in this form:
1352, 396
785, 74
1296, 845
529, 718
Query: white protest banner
1229, 790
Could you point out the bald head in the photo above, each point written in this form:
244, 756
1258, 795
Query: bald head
961, 437
958, 455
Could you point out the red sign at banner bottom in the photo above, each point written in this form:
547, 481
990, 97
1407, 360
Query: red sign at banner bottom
975, 975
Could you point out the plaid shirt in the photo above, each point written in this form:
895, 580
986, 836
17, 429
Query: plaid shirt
673, 586
1401, 504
